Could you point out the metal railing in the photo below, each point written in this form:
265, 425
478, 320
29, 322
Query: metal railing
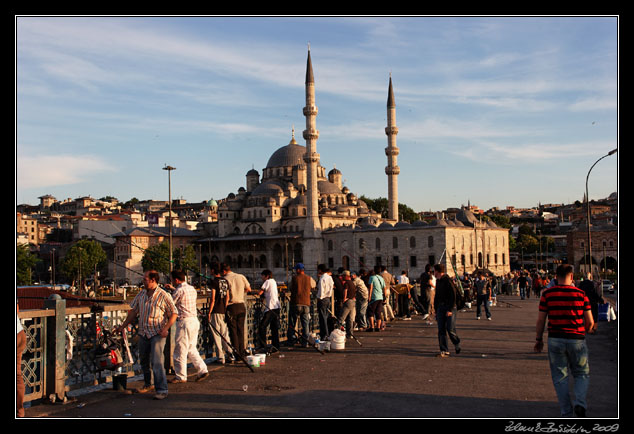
62, 343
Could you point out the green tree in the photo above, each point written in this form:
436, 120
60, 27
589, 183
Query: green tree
157, 258
381, 206
25, 262
83, 258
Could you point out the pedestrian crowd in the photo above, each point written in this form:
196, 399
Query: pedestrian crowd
353, 301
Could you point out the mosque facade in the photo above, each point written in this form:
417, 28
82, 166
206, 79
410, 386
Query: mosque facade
296, 211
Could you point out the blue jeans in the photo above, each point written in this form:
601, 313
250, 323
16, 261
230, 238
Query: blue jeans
323, 308
303, 313
362, 308
447, 326
152, 359
569, 356
483, 299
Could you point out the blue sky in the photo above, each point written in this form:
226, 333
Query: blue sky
497, 111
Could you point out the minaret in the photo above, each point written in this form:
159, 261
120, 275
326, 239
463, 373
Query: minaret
312, 226
391, 170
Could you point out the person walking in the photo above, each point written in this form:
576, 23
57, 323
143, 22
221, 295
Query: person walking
218, 301
594, 292
156, 313
271, 306
445, 307
569, 315
483, 295
187, 327
299, 305
404, 297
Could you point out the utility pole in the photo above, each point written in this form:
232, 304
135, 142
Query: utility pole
169, 186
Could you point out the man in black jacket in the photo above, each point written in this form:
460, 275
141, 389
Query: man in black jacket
445, 307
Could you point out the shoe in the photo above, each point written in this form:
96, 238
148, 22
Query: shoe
407, 319
425, 316
160, 396
176, 381
477, 317
580, 411
201, 377
443, 354
489, 319
145, 389
458, 349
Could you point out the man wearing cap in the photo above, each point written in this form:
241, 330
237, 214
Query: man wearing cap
325, 290
299, 307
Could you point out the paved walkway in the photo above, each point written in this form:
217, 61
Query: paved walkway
392, 374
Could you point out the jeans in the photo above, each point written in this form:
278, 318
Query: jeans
403, 305
270, 318
569, 356
323, 308
303, 313
362, 308
221, 336
152, 359
447, 326
348, 314
483, 299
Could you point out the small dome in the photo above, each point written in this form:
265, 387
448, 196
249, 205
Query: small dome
419, 223
253, 172
402, 224
334, 171
268, 188
438, 222
327, 187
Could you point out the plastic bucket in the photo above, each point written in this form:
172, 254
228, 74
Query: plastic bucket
262, 359
253, 361
338, 345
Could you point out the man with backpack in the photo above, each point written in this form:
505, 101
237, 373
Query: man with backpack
445, 307
483, 295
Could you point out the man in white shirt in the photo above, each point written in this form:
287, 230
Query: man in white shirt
187, 327
404, 296
325, 287
271, 310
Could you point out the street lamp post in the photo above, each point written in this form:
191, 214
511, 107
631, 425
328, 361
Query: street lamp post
169, 186
613, 151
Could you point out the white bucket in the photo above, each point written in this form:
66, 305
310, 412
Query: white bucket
262, 357
324, 346
338, 345
253, 361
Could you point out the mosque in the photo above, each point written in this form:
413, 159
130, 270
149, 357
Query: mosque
296, 212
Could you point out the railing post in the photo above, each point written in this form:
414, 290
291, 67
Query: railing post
55, 388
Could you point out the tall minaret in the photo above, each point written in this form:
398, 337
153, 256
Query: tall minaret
312, 226
391, 170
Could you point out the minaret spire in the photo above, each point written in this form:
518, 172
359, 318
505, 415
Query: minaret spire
312, 227
391, 170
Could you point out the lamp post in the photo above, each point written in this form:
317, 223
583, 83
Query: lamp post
169, 186
613, 151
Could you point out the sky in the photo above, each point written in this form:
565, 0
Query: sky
492, 111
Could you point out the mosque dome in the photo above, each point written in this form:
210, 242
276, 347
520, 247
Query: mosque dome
289, 155
268, 188
327, 187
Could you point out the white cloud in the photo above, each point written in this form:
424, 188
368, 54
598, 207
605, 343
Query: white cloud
40, 171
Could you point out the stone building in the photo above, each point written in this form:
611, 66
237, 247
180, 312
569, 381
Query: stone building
604, 248
295, 211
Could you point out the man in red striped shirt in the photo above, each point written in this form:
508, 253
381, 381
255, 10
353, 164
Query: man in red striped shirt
569, 318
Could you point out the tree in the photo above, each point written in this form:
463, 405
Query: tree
157, 258
381, 206
83, 259
25, 262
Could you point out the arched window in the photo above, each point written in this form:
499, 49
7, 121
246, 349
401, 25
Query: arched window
430, 241
412, 242
377, 244
394, 243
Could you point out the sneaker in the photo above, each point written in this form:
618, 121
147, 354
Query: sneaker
176, 381
477, 317
202, 376
145, 389
160, 396
489, 319
425, 316
458, 349
443, 354
580, 411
